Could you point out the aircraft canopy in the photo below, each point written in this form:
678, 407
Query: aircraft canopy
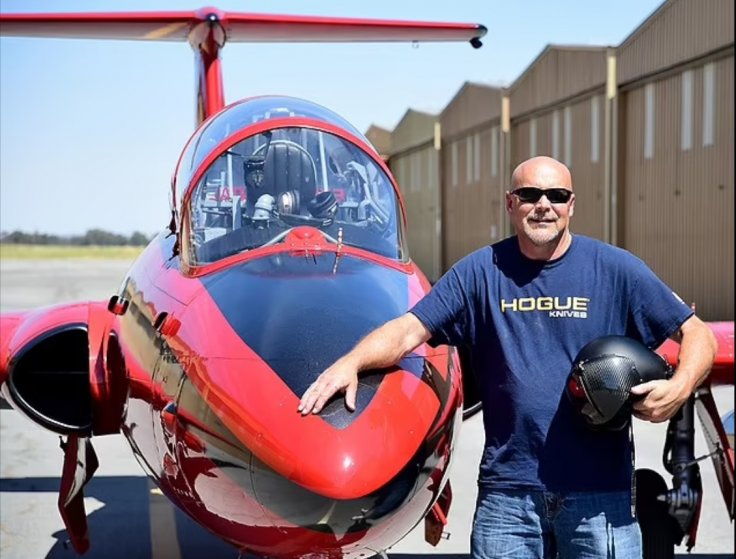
264, 184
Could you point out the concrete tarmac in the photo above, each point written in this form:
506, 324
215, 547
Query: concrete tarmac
129, 518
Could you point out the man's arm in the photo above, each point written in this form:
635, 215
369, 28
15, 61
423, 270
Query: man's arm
663, 398
383, 347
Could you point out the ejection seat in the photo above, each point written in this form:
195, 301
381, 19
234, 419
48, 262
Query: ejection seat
288, 167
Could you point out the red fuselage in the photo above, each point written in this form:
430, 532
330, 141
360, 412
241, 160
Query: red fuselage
214, 386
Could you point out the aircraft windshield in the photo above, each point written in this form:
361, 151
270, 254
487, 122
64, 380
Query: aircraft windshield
245, 113
269, 183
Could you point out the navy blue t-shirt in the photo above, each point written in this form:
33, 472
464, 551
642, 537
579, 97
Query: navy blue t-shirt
525, 322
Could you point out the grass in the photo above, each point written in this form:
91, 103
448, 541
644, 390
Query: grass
64, 252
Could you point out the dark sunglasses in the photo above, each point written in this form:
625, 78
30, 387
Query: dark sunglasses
532, 194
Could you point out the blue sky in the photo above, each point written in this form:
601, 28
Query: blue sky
90, 131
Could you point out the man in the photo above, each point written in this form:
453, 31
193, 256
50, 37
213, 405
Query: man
525, 306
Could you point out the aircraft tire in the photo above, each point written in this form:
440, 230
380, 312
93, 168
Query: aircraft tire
659, 531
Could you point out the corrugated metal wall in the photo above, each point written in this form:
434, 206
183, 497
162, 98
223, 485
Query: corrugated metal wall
586, 165
559, 72
677, 181
472, 192
679, 30
557, 109
414, 162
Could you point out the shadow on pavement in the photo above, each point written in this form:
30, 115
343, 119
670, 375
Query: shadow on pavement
121, 527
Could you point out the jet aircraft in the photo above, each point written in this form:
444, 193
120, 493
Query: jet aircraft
284, 219
284, 246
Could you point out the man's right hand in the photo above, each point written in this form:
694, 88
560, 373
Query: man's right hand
383, 347
340, 377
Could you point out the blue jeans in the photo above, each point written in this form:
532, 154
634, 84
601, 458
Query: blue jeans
529, 524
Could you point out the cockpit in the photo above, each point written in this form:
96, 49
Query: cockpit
260, 188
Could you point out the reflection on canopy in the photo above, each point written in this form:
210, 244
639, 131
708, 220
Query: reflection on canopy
269, 183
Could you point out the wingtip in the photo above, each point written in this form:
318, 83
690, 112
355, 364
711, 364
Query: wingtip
476, 42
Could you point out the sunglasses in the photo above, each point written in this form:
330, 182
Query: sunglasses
532, 194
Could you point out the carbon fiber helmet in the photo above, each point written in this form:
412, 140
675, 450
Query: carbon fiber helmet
599, 385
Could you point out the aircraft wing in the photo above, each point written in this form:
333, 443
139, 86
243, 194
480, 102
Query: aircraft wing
722, 371
237, 27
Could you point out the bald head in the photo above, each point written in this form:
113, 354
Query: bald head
543, 172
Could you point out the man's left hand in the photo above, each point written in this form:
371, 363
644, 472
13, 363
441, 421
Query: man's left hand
659, 399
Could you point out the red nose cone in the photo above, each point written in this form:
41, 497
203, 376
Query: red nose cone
346, 463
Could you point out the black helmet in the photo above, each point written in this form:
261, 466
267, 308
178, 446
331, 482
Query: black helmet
599, 385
